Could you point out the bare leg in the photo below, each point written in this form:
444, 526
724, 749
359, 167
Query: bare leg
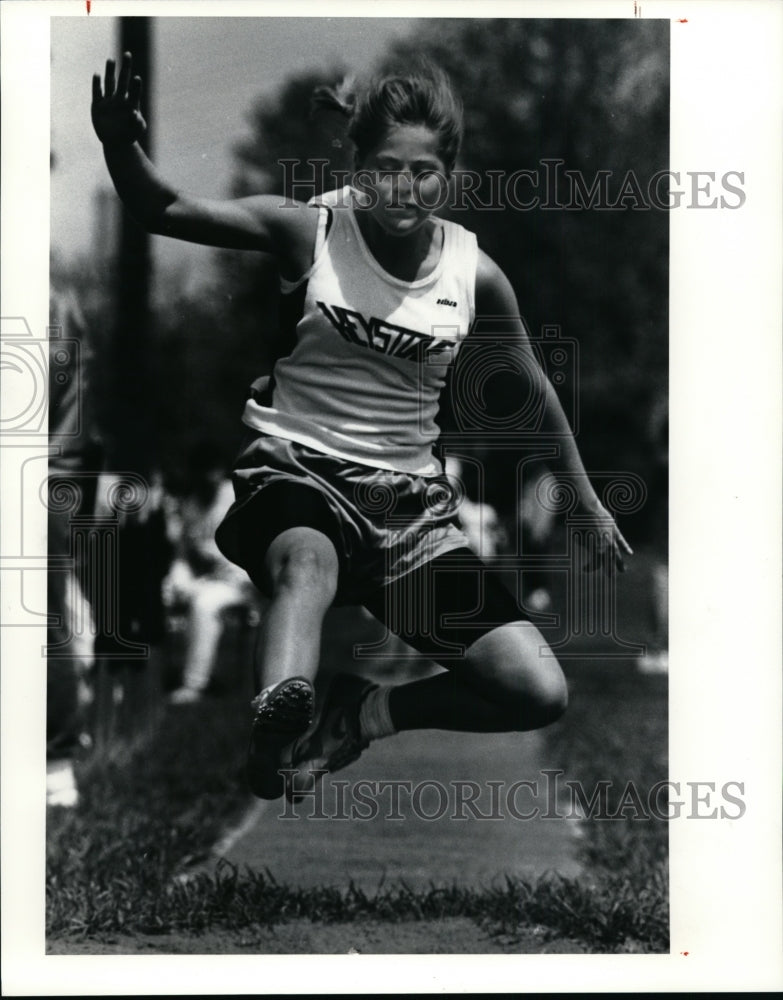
508, 681
302, 566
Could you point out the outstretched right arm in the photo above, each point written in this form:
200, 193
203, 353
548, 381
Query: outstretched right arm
253, 223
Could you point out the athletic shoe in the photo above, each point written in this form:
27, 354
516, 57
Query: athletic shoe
280, 715
334, 740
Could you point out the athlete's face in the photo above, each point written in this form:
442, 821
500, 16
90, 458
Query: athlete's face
404, 179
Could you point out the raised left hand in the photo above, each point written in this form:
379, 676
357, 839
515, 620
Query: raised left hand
604, 543
116, 108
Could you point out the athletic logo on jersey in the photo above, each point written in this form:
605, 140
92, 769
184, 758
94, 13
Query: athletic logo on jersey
447, 302
381, 336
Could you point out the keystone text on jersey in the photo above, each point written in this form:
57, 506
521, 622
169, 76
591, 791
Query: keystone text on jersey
382, 336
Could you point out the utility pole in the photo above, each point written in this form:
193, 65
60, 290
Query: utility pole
135, 443
129, 604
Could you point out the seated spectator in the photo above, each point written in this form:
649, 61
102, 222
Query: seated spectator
478, 519
537, 524
200, 577
75, 459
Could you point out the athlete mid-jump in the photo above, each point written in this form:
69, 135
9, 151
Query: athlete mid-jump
380, 294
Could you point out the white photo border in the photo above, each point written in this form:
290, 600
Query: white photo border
725, 535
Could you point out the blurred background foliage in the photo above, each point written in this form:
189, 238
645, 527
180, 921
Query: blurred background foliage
592, 93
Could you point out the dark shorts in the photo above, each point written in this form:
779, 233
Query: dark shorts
401, 551
441, 608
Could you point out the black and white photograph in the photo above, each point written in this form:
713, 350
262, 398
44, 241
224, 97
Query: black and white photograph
376, 393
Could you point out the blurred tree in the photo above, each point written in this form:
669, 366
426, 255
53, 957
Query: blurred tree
200, 364
90, 281
284, 130
272, 160
205, 362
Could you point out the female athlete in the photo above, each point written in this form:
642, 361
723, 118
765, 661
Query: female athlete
337, 487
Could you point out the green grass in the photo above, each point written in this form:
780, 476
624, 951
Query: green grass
616, 730
604, 916
145, 813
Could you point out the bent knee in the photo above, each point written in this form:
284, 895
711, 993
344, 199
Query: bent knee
518, 672
550, 698
538, 701
305, 567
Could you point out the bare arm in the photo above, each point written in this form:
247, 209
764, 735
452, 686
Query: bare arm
495, 299
254, 223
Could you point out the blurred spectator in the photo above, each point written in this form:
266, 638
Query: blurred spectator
201, 579
536, 527
478, 519
75, 460
656, 659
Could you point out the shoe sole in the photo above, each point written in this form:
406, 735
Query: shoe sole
338, 684
286, 714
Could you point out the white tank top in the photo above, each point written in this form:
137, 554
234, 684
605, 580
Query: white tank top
371, 352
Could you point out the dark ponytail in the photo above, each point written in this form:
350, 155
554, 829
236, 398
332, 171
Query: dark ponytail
340, 99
